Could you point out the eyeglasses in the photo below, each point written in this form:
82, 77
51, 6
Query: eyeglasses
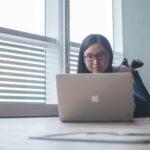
99, 57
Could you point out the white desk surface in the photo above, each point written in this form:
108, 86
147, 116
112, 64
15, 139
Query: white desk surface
15, 133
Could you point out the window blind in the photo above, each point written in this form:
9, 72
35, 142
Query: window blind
74, 53
22, 67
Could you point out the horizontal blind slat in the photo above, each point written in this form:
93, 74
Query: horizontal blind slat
74, 55
22, 97
21, 63
21, 58
20, 52
21, 46
22, 80
73, 60
22, 86
22, 75
21, 69
73, 65
22, 92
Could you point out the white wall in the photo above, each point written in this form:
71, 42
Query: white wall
136, 34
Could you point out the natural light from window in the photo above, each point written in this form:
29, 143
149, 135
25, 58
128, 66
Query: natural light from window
23, 15
90, 16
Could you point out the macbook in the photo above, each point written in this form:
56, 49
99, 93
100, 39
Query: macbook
95, 97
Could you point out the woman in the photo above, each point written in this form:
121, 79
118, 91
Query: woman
96, 56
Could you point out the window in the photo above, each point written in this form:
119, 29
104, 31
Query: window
29, 57
39, 40
86, 17
22, 71
24, 15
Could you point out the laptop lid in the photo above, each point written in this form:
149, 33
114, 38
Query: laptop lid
95, 97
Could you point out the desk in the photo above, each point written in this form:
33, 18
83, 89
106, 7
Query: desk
15, 132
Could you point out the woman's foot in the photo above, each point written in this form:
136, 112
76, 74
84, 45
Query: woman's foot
136, 63
125, 62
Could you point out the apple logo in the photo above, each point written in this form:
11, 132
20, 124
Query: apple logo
95, 98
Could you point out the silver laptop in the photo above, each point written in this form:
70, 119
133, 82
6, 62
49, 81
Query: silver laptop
95, 97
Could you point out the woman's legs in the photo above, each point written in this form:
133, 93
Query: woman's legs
139, 87
141, 106
140, 93
141, 96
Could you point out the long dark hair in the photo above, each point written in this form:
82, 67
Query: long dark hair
89, 41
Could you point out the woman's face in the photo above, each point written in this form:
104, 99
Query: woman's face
96, 58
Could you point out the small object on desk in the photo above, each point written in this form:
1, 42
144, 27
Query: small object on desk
99, 137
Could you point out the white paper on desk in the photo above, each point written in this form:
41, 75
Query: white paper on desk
103, 137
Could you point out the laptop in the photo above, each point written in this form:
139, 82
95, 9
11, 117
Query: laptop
95, 97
